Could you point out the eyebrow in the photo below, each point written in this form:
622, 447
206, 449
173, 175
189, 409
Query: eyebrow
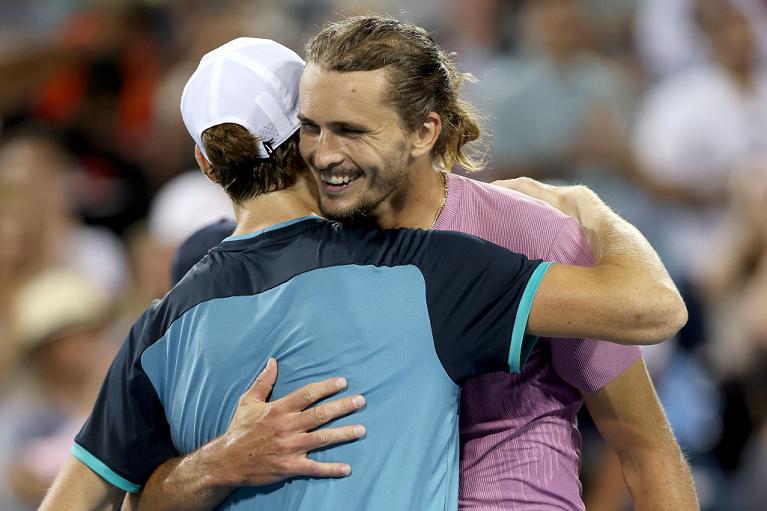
335, 125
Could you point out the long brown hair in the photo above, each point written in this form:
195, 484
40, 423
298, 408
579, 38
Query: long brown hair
422, 78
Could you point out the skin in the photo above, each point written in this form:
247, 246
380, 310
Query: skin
631, 420
626, 411
77, 487
362, 136
279, 433
357, 143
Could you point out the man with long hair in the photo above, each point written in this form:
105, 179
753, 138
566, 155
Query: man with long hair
406, 315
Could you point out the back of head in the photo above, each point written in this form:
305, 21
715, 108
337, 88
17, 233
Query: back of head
422, 77
240, 106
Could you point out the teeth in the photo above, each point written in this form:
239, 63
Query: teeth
337, 180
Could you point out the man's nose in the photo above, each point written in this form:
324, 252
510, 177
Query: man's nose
328, 152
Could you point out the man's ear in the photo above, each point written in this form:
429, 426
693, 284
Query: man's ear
426, 136
204, 164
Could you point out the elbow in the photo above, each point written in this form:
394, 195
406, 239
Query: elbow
668, 316
679, 316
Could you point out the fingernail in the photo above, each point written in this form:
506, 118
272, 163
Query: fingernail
359, 431
358, 401
346, 470
341, 383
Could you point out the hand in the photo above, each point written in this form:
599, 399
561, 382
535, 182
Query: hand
578, 202
570, 200
268, 441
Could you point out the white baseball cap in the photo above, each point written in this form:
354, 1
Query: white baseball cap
250, 82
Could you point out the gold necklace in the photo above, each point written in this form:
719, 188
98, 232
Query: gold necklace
443, 175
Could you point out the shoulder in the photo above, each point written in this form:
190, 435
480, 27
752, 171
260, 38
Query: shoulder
511, 219
481, 192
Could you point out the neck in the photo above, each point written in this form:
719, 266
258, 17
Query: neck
276, 207
417, 201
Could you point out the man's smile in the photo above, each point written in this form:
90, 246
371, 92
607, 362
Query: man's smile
335, 181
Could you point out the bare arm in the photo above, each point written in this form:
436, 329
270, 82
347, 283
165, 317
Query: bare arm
78, 488
626, 297
265, 443
632, 422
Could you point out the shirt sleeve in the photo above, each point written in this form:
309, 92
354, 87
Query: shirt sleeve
586, 364
479, 297
127, 434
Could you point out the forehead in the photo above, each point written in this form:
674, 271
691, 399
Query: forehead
355, 96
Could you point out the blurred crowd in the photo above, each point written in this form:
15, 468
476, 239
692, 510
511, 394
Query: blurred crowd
658, 105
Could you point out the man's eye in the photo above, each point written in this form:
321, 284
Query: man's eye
309, 127
351, 131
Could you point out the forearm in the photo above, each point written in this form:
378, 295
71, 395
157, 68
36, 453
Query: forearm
659, 479
77, 488
613, 240
196, 482
630, 269
626, 297
632, 422
265, 443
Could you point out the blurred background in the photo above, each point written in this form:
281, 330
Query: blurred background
658, 105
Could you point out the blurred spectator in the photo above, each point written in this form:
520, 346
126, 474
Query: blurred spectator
94, 82
184, 205
696, 128
58, 322
736, 289
39, 181
38, 228
669, 39
194, 248
477, 32
557, 100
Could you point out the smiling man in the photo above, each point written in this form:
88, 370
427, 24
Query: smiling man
372, 85
407, 315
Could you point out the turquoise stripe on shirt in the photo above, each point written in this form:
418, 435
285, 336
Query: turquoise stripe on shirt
516, 358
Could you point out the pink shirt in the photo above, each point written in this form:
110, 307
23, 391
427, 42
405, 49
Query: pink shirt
520, 446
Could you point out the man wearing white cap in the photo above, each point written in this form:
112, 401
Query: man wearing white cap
404, 315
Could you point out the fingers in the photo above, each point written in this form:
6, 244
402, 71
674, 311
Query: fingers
537, 190
311, 468
262, 387
326, 412
525, 185
309, 394
329, 436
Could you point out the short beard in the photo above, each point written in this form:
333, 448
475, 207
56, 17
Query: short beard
357, 217
362, 214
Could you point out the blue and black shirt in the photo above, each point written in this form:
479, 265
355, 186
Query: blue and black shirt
405, 315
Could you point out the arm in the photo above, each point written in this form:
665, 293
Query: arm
265, 443
77, 488
632, 422
627, 297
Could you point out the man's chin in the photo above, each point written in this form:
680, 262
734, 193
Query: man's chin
356, 215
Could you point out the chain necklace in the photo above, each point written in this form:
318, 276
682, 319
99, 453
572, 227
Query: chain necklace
443, 175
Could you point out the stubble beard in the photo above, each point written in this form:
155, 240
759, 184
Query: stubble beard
362, 213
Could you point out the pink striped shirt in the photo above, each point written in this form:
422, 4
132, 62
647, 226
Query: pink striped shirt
520, 446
